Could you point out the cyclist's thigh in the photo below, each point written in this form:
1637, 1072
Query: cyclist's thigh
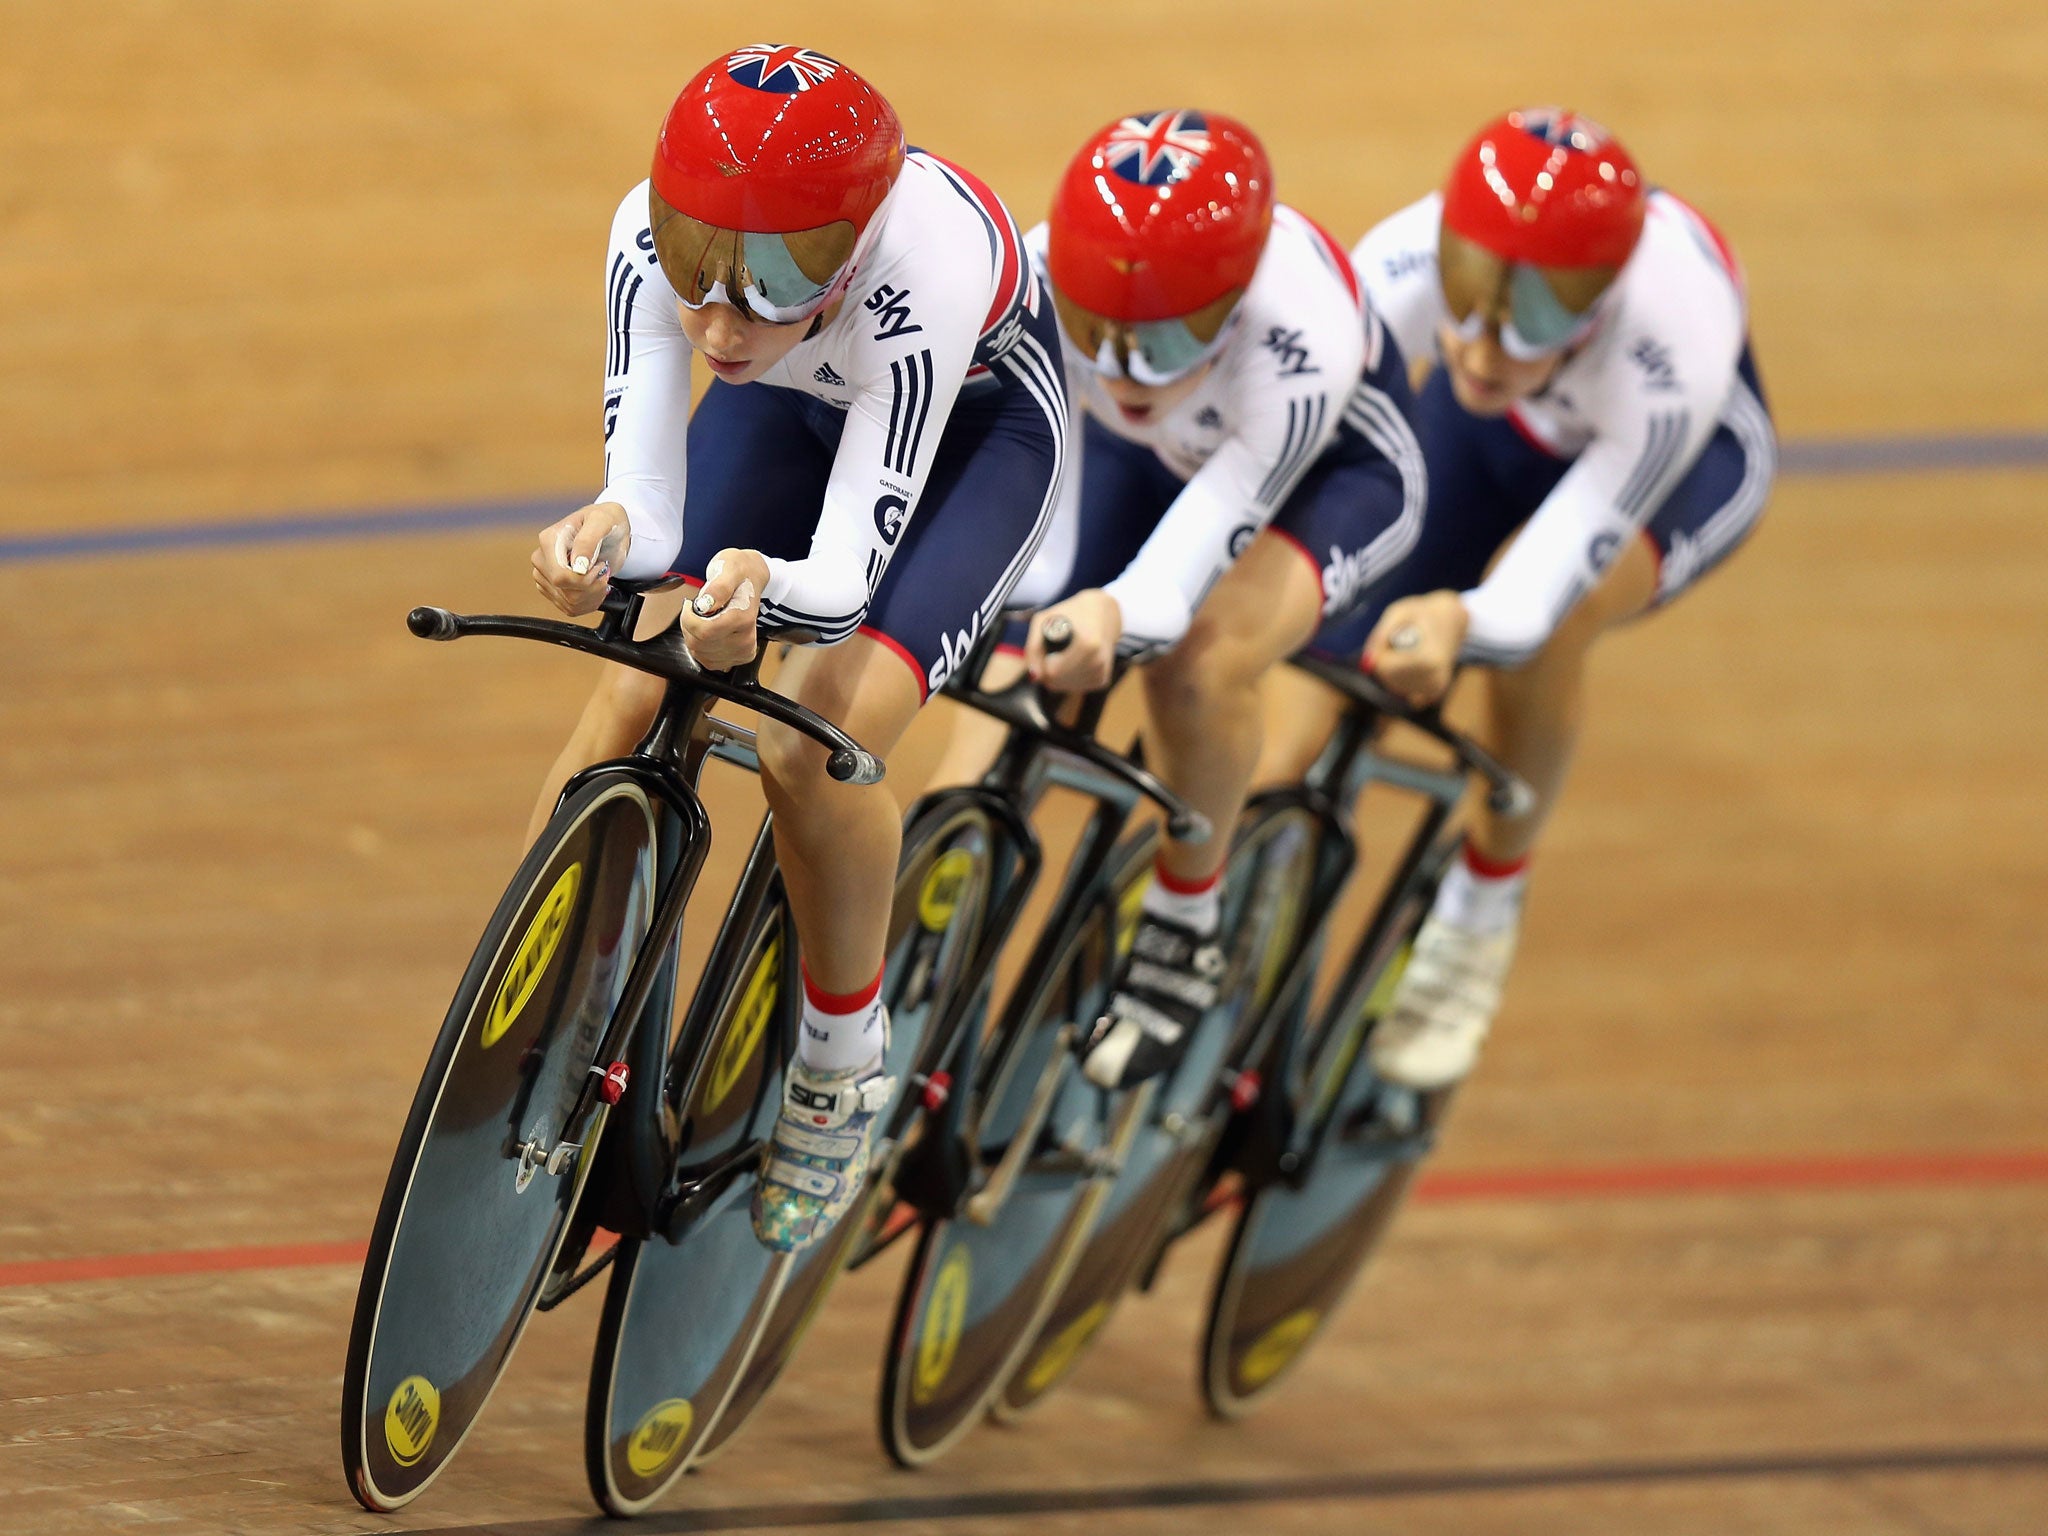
759, 461
1713, 509
984, 509
1483, 480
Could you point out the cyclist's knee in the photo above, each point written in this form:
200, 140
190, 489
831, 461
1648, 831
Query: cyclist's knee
790, 761
1209, 665
627, 699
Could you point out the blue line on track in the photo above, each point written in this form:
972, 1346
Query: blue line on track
1811, 456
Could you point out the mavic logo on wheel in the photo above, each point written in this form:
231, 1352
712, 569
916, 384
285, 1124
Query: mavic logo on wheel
530, 960
1274, 1350
661, 1436
410, 1419
749, 1024
943, 887
945, 1319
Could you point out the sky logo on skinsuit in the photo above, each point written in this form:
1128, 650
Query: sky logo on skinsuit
1157, 148
778, 67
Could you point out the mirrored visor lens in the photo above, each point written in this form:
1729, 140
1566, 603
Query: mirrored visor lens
781, 278
1538, 309
1149, 351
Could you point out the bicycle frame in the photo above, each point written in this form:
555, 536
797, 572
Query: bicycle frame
667, 764
945, 1176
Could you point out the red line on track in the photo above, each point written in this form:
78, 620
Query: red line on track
1614, 1181
188, 1261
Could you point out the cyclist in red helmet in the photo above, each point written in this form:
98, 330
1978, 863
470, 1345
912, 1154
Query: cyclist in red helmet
875, 460
1246, 471
1596, 434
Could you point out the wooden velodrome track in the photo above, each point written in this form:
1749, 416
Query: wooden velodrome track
1743, 1225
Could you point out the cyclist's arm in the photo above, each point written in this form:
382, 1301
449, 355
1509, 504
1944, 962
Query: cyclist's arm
908, 385
1648, 441
646, 394
1226, 503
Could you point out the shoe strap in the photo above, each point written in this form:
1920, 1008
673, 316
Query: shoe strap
840, 1146
805, 1179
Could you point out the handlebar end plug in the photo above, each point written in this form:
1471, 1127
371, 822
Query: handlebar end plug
1514, 798
849, 765
431, 623
1189, 827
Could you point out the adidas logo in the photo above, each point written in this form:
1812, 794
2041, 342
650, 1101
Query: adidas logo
827, 374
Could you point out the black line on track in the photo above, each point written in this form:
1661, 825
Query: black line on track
1354, 1488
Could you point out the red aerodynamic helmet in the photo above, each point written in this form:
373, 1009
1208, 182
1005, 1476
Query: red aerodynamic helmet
768, 141
1547, 188
1160, 214
1542, 210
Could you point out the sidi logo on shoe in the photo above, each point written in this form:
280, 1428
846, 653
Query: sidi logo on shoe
410, 1419
940, 896
945, 1319
661, 1435
530, 960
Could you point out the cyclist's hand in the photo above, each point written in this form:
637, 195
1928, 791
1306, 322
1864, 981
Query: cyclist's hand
719, 626
1414, 647
572, 567
1098, 623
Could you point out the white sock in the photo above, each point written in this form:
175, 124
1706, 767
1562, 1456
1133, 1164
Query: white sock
1481, 897
840, 1032
1197, 907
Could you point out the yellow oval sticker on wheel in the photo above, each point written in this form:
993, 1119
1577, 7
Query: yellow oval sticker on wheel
410, 1419
1276, 1347
659, 1437
749, 1023
943, 887
945, 1319
530, 960
1053, 1360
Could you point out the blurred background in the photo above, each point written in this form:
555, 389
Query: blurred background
301, 323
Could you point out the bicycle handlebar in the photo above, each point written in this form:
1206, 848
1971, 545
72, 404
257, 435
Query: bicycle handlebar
1506, 791
665, 656
1029, 706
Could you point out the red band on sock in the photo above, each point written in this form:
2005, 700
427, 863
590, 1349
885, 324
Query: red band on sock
1169, 881
1493, 869
840, 1002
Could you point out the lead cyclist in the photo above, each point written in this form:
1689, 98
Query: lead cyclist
875, 460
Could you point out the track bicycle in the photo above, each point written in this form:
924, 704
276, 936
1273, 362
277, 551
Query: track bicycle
559, 1025
1272, 1107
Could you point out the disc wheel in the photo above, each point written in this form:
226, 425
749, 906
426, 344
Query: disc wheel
680, 1317
1149, 1202
1299, 1245
974, 1295
472, 1217
696, 1331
